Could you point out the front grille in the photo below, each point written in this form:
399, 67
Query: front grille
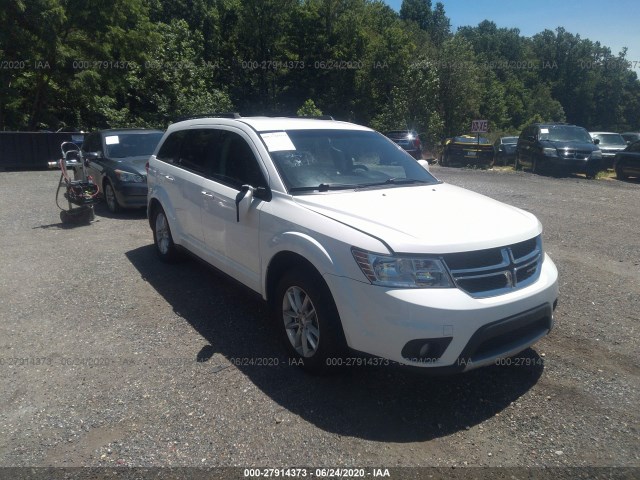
496, 271
571, 153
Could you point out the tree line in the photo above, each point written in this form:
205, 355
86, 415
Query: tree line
116, 63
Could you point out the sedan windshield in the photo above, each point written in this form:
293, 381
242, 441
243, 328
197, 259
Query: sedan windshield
323, 160
613, 139
132, 144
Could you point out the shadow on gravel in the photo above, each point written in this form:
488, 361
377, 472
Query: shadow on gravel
375, 403
101, 210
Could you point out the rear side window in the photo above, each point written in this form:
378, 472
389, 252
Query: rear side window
192, 150
170, 150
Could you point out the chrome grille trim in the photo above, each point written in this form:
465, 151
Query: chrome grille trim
506, 276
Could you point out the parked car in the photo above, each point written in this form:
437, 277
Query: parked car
631, 137
467, 150
609, 144
558, 146
116, 161
505, 150
409, 140
321, 219
627, 163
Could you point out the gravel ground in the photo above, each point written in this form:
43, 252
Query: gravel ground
110, 358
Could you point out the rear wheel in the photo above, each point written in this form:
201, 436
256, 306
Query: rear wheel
308, 321
162, 239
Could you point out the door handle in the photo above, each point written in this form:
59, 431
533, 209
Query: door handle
169, 177
207, 194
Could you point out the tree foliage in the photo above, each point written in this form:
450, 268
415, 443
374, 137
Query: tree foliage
113, 63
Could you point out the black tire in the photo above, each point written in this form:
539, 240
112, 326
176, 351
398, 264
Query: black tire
535, 168
517, 165
162, 238
308, 321
620, 175
110, 198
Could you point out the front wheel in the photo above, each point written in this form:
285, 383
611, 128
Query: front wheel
308, 321
110, 198
620, 175
517, 164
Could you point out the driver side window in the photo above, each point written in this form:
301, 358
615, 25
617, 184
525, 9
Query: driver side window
236, 164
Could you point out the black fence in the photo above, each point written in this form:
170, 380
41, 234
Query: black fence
32, 150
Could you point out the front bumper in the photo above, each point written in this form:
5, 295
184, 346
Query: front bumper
131, 195
382, 321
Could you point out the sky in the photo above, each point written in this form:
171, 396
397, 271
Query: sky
614, 23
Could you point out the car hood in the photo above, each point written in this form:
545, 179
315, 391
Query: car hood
134, 164
427, 219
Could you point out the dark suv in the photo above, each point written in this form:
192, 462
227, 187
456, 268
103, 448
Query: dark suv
558, 146
409, 140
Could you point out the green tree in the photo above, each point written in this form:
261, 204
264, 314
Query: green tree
309, 109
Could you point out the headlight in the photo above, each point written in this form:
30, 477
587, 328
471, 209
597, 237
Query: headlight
549, 152
128, 177
402, 272
596, 155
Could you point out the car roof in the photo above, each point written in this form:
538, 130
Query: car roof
119, 131
271, 124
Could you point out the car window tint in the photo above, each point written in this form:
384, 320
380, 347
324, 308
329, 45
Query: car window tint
170, 150
635, 147
197, 149
234, 162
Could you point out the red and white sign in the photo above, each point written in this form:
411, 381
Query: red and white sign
479, 126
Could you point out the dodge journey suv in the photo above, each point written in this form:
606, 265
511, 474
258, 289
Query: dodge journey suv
359, 251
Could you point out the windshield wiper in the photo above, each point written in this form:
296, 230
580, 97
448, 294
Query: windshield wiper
324, 187
394, 181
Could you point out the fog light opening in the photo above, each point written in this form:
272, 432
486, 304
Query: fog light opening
425, 349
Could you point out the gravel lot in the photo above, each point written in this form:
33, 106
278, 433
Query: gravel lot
108, 357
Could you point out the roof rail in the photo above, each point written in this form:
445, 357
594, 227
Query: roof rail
210, 115
313, 117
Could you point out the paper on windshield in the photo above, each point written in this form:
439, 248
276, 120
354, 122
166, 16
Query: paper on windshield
112, 140
277, 141
544, 130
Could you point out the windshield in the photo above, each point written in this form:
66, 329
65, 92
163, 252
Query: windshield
613, 139
325, 160
132, 144
509, 140
565, 133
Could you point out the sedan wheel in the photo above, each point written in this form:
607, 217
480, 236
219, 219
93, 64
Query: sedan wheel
110, 198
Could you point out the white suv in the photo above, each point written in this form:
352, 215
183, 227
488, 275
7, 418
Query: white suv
363, 255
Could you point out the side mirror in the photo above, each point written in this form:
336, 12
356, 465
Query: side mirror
597, 141
246, 194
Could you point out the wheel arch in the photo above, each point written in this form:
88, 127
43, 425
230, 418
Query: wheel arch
282, 262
